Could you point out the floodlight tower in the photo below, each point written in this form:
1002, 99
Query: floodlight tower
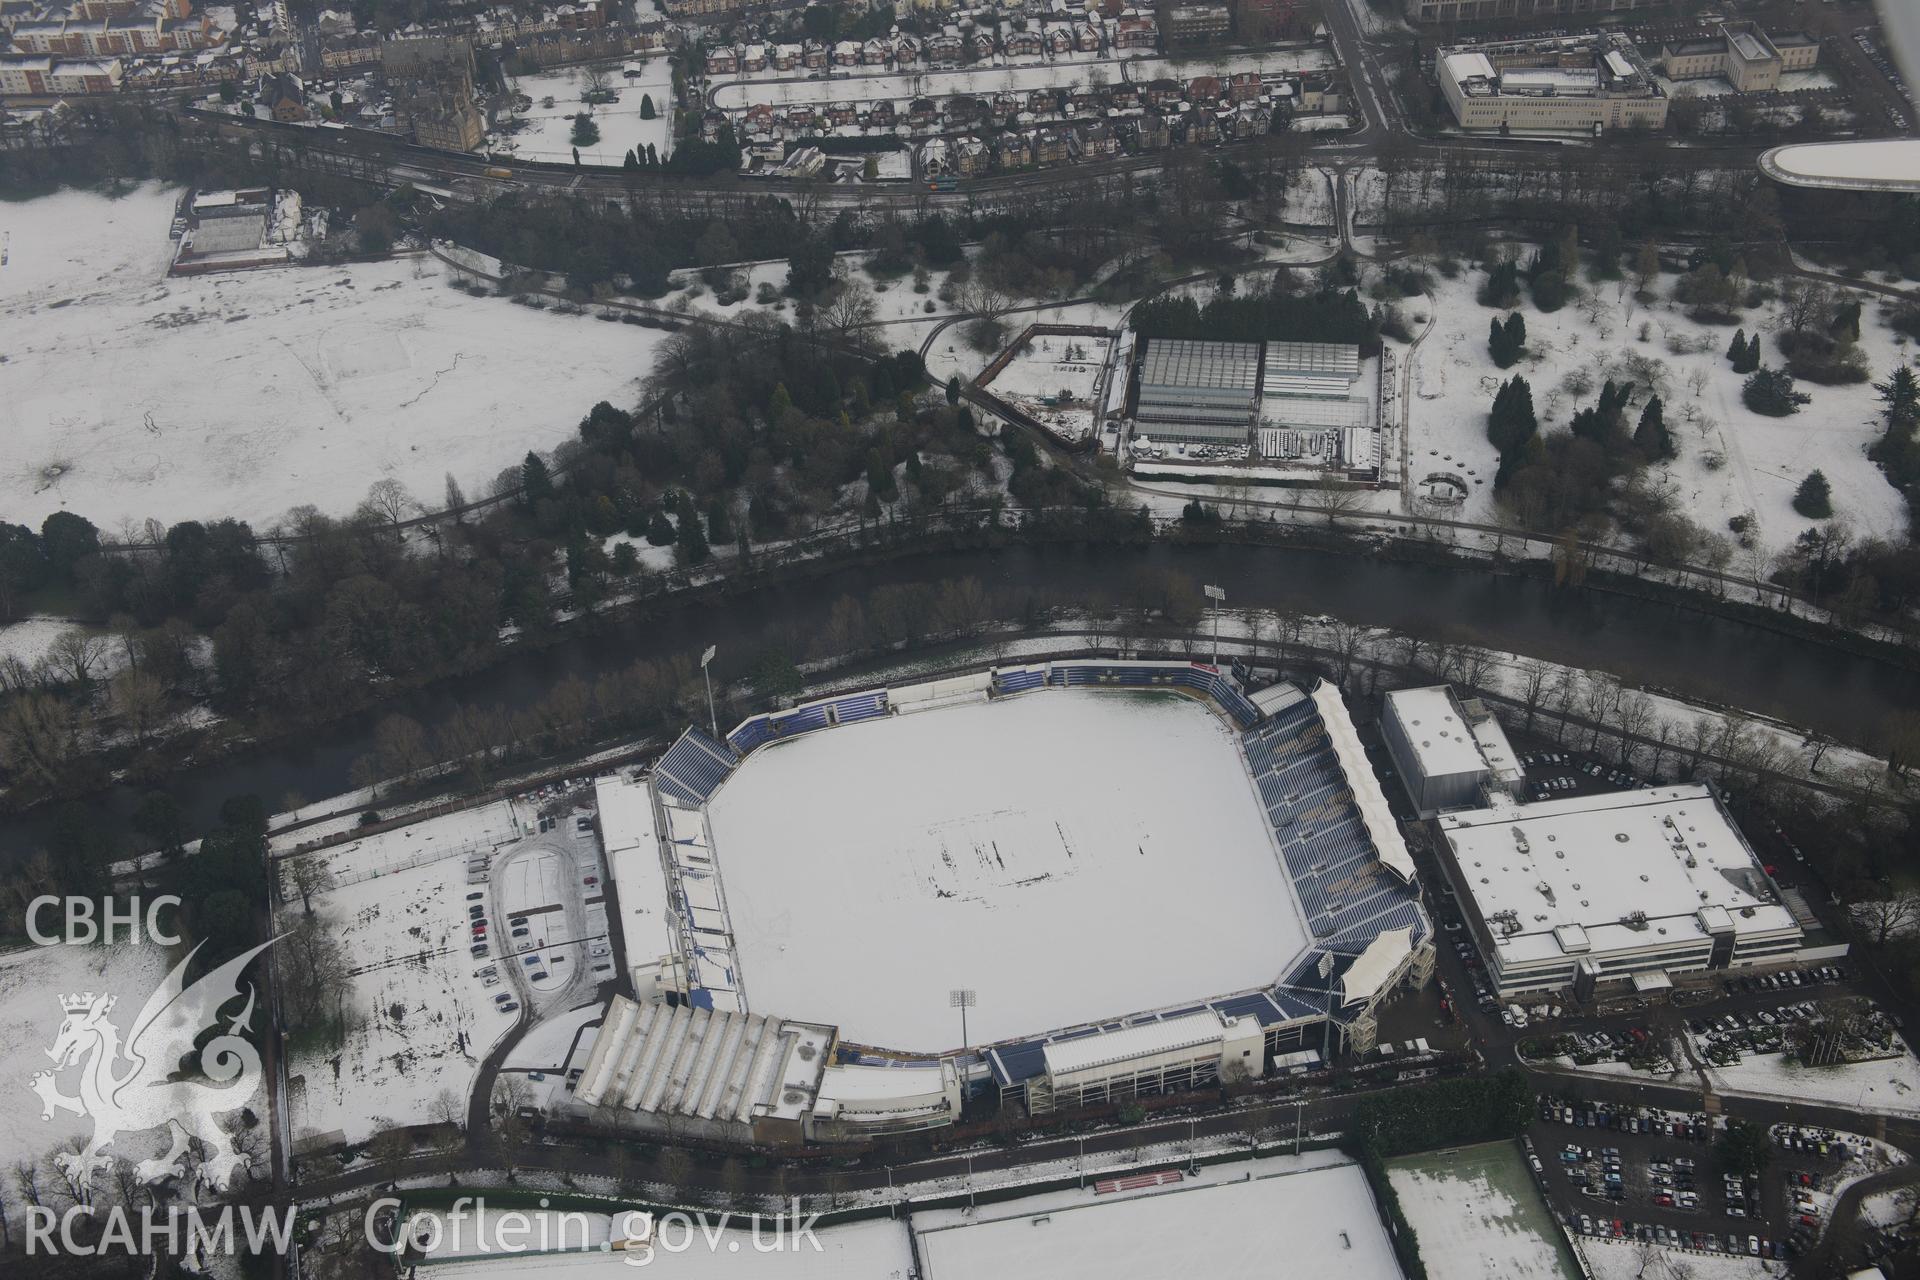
713, 721
963, 999
1216, 595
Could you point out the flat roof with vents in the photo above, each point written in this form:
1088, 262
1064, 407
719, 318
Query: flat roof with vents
1630, 870
1442, 740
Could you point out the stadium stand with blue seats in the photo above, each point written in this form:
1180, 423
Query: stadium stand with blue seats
800, 720
1011, 680
677, 790
749, 734
697, 765
861, 706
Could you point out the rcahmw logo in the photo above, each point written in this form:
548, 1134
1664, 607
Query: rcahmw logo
124, 1078
83, 929
194, 1232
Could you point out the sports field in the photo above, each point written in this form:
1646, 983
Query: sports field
1477, 1213
1070, 856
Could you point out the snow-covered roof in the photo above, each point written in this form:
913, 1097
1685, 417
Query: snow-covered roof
1276, 697
1442, 740
1370, 972
687, 1061
1374, 813
1632, 870
1891, 164
1462, 67
1557, 79
870, 1091
1140, 1041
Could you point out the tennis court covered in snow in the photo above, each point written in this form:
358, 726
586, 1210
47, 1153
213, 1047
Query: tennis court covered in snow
1071, 856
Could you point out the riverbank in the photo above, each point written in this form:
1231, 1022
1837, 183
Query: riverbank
1628, 630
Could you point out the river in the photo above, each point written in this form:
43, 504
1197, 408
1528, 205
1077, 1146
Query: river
1643, 642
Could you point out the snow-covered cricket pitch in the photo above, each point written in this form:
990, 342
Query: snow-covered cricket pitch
1070, 856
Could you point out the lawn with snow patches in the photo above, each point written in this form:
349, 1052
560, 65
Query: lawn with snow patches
1072, 855
1632, 1260
1765, 459
1276, 1218
894, 300
420, 1018
1888, 1086
127, 394
31, 984
1477, 1213
548, 131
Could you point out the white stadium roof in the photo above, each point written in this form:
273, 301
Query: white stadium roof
1361, 781
1891, 164
1084, 1053
1375, 966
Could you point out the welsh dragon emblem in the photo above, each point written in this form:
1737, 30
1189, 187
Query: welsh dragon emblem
137, 1085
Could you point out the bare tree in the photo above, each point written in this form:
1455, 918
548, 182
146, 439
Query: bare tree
449, 1108
1346, 640
142, 702
1802, 304
39, 738
308, 874
392, 502
315, 978
676, 1166
77, 656
401, 746
989, 303
849, 307
1335, 498
1533, 683
1885, 918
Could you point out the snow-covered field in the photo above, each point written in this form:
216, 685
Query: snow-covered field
563, 1038
1058, 369
126, 394
548, 133
737, 95
1762, 460
1885, 1086
1279, 1217
873, 1250
420, 1017
1071, 855
1477, 1213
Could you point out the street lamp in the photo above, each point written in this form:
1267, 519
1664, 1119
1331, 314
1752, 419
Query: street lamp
963, 999
1216, 594
713, 721
1326, 1041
